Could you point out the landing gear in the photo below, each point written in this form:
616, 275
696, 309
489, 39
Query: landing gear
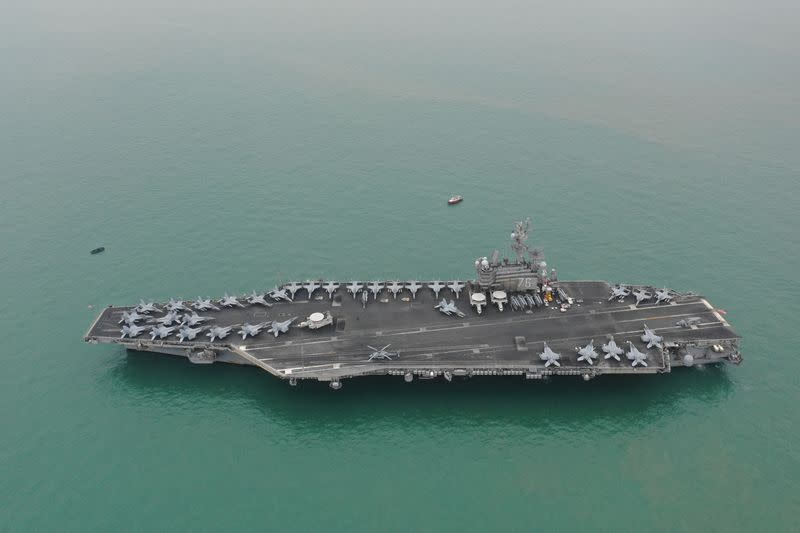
292, 382
335, 385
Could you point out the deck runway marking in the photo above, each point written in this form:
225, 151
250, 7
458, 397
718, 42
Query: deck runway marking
657, 317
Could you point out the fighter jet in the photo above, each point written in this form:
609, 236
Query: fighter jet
651, 338
230, 301
146, 308
635, 355
167, 320
394, 287
550, 356
162, 332
131, 318
588, 354
293, 287
311, 286
413, 286
353, 287
375, 287
688, 322
204, 305
456, 287
663, 295
619, 292
251, 329
448, 308
612, 350
276, 328
436, 286
194, 319
187, 333
382, 353
280, 294
131, 331
331, 287
259, 299
176, 305
217, 332
641, 295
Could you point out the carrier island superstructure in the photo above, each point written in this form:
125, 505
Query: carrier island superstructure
516, 318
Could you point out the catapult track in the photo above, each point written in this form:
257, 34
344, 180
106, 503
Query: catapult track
432, 344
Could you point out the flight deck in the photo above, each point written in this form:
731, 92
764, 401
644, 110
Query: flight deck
425, 343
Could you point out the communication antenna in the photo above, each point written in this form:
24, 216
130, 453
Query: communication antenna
519, 236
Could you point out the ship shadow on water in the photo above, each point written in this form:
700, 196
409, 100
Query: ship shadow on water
486, 401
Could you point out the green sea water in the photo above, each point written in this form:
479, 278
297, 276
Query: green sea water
215, 147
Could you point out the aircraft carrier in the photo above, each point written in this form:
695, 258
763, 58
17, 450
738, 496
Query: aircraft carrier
516, 318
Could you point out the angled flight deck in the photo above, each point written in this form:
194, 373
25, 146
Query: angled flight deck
515, 318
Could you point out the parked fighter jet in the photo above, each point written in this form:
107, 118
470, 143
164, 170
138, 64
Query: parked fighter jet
259, 299
131, 318
331, 287
311, 286
663, 295
456, 287
619, 292
217, 332
204, 305
436, 286
382, 353
641, 295
588, 353
162, 332
176, 305
651, 338
230, 301
131, 331
170, 318
688, 322
293, 287
194, 319
612, 350
276, 328
375, 287
635, 355
448, 308
279, 294
413, 286
394, 287
353, 287
550, 356
146, 308
187, 333
251, 329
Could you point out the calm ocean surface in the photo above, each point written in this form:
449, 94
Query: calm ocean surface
217, 147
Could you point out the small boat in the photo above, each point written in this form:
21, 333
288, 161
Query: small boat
455, 199
98, 250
